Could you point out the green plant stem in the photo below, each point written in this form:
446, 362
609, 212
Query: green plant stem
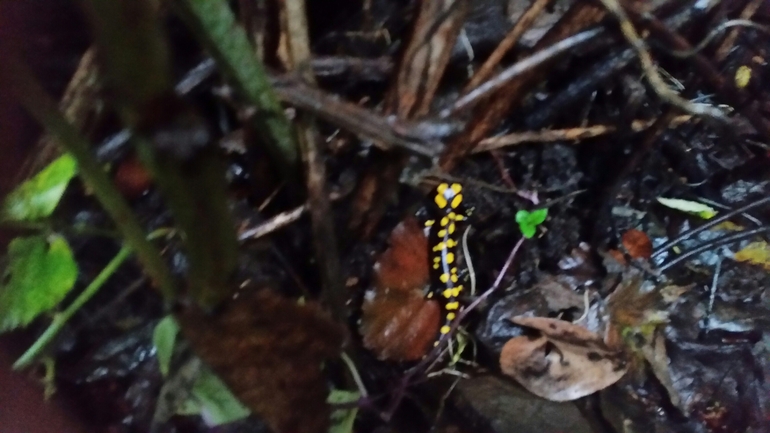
213, 23
45, 111
60, 319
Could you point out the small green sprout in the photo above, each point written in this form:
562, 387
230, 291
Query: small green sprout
528, 221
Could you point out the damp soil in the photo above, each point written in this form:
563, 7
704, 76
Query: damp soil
596, 189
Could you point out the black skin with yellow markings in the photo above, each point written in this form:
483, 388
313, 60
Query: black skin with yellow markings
446, 212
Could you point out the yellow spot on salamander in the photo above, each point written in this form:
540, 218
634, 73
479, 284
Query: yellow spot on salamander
435, 266
430, 295
450, 258
440, 201
451, 243
452, 305
456, 187
445, 329
444, 278
456, 291
450, 316
444, 221
447, 293
441, 233
451, 229
454, 278
441, 188
456, 201
429, 223
439, 247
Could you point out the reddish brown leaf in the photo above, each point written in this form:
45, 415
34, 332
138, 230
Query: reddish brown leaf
270, 351
399, 325
638, 244
404, 266
565, 363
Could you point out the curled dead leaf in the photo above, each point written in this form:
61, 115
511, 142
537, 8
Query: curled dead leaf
564, 363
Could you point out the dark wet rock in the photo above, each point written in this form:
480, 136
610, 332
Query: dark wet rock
494, 405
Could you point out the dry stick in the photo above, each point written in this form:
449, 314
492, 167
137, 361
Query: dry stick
653, 76
279, 221
713, 222
710, 73
518, 69
522, 25
718, 242
748, 12
385, 133
324, 238
568, 134
431, 357
683, 54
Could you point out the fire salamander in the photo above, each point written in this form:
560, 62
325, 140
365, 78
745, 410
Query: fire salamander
446, 211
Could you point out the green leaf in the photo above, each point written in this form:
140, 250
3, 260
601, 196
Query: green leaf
691, 207
37, 197
218, 404
40, 273
528, 221
164, 337
342, 420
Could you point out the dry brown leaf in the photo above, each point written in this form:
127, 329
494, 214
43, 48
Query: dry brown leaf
637, 243
397, 322
270, 350
565, 363
398, 325
404, 266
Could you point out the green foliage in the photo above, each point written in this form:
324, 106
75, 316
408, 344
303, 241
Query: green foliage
40, 273
343, 419
37, 197
217, 404
528, 221
692, 207
210, 397
164, 337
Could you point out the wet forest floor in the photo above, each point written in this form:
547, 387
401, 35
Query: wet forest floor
611, 259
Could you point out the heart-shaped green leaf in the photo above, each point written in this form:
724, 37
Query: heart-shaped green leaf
40, 273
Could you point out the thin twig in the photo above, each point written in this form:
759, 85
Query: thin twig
510, 40
746, 14
519, 68
324, 237
683, 54
718, 242
568, 134
275, 223
651, 71
711, 223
